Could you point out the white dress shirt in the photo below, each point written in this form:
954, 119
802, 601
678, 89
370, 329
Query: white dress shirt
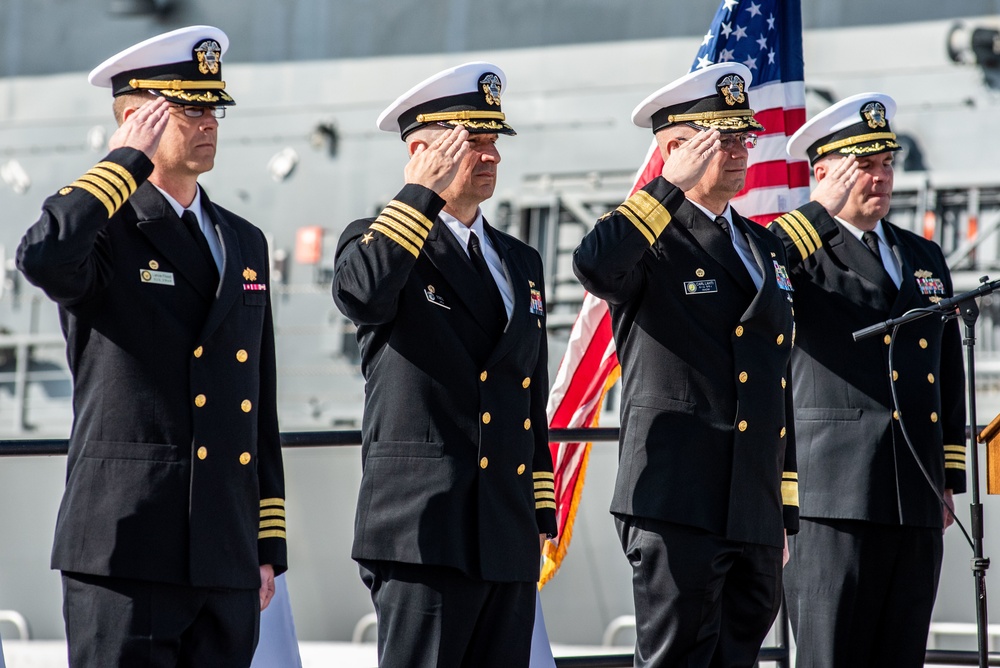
461, 232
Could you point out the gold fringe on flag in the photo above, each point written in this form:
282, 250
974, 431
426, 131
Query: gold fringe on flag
554, 552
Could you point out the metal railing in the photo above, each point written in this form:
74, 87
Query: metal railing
778, 654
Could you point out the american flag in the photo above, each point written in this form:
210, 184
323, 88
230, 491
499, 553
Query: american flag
766, 36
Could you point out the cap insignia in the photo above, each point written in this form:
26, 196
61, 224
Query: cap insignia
208, 53
491, 88
874, 114
732, 87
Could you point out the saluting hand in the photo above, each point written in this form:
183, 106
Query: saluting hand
835, 187
435, 165
687, 163
143, 128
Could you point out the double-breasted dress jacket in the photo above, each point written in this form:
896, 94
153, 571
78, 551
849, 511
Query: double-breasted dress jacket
706, 433
457, 470
854, 463
174, 471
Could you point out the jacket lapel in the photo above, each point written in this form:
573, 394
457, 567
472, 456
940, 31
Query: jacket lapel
853, 253
447, 255
714, 241
232, 267
907, 284
165, 231
518, 281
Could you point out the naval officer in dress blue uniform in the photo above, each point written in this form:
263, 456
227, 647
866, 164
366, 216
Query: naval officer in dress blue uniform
702, 318
172, 525
457, 489
864, 569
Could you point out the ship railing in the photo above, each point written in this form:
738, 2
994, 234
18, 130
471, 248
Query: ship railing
778, 654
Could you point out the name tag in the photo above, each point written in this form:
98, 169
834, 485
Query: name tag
156, 277
702, 287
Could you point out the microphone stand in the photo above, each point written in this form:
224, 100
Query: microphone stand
965, 307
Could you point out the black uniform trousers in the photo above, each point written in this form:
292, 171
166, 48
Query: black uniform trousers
138, 624
701, 600
438, 617
861, 594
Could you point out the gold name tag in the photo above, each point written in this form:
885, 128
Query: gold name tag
157, 277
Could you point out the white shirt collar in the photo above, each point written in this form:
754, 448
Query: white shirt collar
857, 232
176, 206
461, 230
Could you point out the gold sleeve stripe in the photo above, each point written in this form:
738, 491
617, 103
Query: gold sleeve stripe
810, 233
113, 179
272, 502
545, 495
98, 193
411, 212
271, 533
955, 448
408, 223
960, 466
539, 505
950, 457
545, 484
639, 225
790, 493
272, 512
543, 475
799, 236
650, 210
413, 250
401, 230
108, 189
120, 171
267, 524
790, 475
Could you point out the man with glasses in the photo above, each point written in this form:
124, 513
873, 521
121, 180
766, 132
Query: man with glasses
171, 527
702, 318
865, 566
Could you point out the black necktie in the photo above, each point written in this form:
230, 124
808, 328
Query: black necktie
724, 224
479, 262
871, 240
191, 223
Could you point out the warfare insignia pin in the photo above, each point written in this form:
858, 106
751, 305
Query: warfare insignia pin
249, 274
922, 273
491, 88
531, 284
874, 114
208, 53
536, 307
732, 87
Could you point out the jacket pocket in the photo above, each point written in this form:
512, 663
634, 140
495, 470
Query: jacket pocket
152, 452
406, 449
828, 414
659, 403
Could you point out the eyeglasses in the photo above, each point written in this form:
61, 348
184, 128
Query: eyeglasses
198, 112
747, 140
